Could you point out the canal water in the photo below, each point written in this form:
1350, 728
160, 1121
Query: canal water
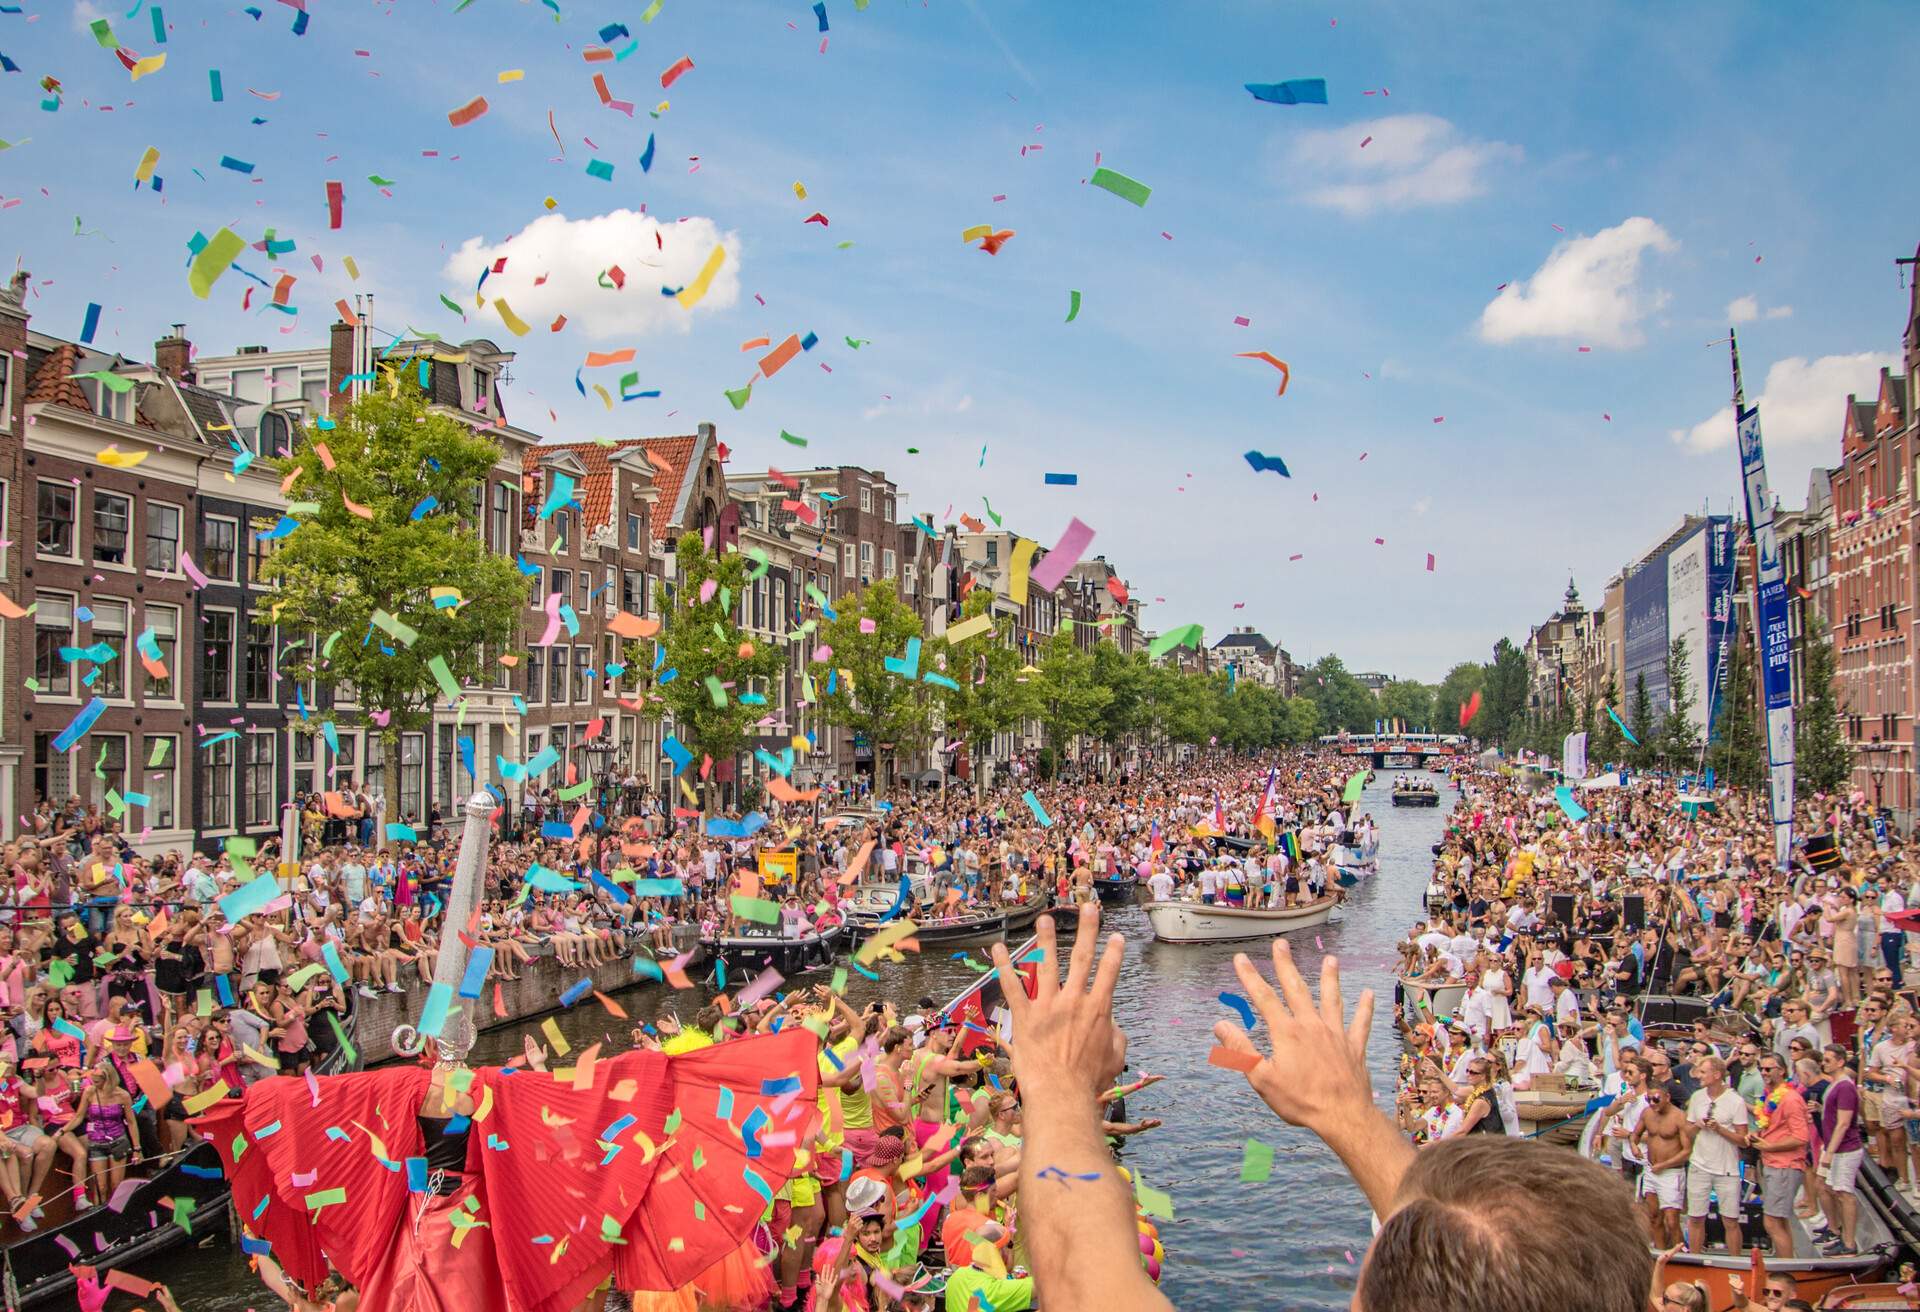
1299, 1234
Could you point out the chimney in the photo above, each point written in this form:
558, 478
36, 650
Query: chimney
340, 364
173, 354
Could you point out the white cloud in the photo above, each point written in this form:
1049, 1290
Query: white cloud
1747, 309
1587, 290
571, 254
1411, 159
1801, 402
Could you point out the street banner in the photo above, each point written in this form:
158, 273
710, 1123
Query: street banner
1770, 620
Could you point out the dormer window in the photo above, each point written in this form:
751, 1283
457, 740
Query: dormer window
482, 389
106, 402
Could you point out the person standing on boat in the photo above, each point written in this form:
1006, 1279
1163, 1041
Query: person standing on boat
1842, 1148
1665, 1139
1722, 1124
1782, 1138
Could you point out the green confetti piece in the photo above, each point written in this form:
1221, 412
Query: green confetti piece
739, 396
1152, 1201
785, 436
672, 1122
453, 305
1073, 311
1121, 185
715, 691
103, 33
651, 12
1256, 1161
379, 181
756, 909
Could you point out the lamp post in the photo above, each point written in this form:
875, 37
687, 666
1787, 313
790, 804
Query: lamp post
599, 757
1876, 753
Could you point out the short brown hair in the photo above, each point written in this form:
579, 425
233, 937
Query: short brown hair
1487, 1221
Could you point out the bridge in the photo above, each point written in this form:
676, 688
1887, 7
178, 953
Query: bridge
1417, 749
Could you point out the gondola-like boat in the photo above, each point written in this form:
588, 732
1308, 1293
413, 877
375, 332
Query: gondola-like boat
1202, 922
790, 954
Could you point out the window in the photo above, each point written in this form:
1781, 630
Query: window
887, 507
560, 583
110, 628
560, 522
218, 543
257, 780
633, 591
163, 622
887, 559
6, 394
216, 657
258, 674
52, 630
866, 500
413, 776
536, 683
157, 779
110, 765
633, 532
850, 565
557, 676
993, 553
216, 784
583, 675
55, 519
112, 527
866, 560
610, 651
52, 771
446, 761
346, 765
163, 538
302, 763
504, 538
260, 550
376, 766
108, 402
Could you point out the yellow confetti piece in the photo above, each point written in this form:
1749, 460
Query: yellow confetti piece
512, 74
116, 459
800, 190
485, 1109
353, 270
549, 202
1019, 565
555, 1037
151, 64
603, 395
976, 232
515, 324
694, 292
147, 161
660, 108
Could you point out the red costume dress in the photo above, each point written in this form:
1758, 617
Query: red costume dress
655, 1169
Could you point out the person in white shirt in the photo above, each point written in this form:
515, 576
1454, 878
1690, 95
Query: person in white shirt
1722, 1121
1893, 940
1566, 1006
1160, 883
1886, 1070
1538, 982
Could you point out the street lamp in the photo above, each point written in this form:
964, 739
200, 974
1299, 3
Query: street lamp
1876, 753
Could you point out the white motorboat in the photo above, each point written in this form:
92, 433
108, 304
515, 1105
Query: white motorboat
1198, 922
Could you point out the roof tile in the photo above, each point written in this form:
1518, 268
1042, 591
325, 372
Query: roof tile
669, 457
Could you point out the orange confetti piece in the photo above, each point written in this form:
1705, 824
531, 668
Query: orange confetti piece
597, 359
468, 112
1231, 1060
355, 507
756, 342
614, 1009
326, 456
775, 360
672, 75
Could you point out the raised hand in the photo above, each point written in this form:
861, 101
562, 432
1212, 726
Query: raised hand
1065, 1033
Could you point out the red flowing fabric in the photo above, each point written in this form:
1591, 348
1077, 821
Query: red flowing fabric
549, 1181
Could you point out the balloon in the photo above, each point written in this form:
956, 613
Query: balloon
746, 651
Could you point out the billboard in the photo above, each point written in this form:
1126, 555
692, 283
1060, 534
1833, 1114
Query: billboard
1646, 630
1700, 610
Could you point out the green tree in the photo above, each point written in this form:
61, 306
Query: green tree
1607, 740
702, 668
1679, 737
1125, 679
1453, 694
987, 670
1822, 757
893, 711
1301, 721
1410, 701
1645, 729
1191, 715
1505, 703
1345, 702
1738, 752
338, 568
1067, 700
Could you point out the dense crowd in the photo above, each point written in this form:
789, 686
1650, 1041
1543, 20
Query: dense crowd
1559, 922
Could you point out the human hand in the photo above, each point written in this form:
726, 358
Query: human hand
1317, 1073
1064, 1036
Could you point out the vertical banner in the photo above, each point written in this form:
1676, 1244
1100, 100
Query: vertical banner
1770, 619
1573, 757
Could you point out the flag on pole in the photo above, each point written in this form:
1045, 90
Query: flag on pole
1263, 815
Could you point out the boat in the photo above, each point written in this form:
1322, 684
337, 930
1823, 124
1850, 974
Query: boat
1118, 886
1423, 1000
1868, 1297
1718, 1271
1552, 1111
1353, 859
189, 1187
1397, 761
1415, 792
1199, 922
788, 954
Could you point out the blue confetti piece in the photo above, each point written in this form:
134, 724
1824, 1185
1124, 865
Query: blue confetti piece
1243, 1007
820, 12
1294, 91
1063, 480
237, 165
576, 992
91, 324
646, 156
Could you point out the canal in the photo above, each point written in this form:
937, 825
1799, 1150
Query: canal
1302, 1230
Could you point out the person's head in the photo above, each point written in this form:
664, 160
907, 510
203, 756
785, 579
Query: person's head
872, 1232
1795, 1010
1658, 1096
1711, 1072
1833, 1059
1773, 1071
1780, 1290
976, 1182
1683, 1296
1492, 1222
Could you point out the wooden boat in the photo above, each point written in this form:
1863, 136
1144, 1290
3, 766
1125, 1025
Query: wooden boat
1553, 1112
981, 927
1440, 999
1197, 922
1411, 792
790, 955
1119, 886
188, 1187
1867, 1297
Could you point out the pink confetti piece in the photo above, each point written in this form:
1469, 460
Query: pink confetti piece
1318, 945
1556, 227
997, 199
1167, 235
1429, 562
1243, 321
1366, 143
1296, 556
1439, 419
758, 297
1363, 456
1379, 542
1585, 350
1604, 415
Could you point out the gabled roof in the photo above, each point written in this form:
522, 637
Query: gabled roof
1255, 641
668, 456
52, 382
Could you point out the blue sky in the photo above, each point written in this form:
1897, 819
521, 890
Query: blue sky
1698, 161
